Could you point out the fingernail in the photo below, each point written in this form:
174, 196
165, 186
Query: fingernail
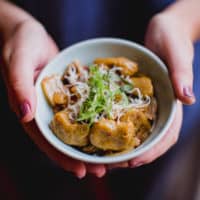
187, 91
139, 164
24, 109
134, 165
100, 175
79, 176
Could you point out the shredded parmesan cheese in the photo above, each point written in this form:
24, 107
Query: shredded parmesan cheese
118, 108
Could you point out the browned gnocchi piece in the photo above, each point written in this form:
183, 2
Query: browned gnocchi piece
144, 84
110, 135
127, 66
140, 122
71, 133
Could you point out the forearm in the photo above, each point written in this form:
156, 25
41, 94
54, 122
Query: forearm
10, 17
187, 11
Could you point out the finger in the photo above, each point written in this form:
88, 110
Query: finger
179, 56
53, 48
67, 163
118, 165
20, 74
159, 149
178, 53
98, 170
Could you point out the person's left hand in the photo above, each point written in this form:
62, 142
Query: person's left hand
168, 37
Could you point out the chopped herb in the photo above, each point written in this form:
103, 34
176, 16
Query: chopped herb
127, 88
103, 91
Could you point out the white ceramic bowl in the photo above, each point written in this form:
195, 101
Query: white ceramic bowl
86, 52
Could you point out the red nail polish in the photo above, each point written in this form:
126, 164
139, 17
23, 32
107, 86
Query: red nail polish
187, 91
24, 109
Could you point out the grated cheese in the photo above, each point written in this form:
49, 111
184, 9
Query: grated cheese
83, 90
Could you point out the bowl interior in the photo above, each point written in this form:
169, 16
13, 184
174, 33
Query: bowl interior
86, 52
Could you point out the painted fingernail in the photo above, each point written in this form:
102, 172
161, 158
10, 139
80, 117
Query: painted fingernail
24, 109
134, 165
100, 175
80, 176
187, 91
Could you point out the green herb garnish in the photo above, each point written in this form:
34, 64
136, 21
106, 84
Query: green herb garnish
103, 92
127, 88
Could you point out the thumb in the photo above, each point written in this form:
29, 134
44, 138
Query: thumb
177, 51
179, 57
22, 68
20, 80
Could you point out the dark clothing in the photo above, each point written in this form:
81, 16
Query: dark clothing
70, 21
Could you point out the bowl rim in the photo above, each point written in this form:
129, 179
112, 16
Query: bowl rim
116, 158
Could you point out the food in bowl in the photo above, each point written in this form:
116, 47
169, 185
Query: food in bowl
105, 108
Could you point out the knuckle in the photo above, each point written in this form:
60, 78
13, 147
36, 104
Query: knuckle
15, 83
157, 20
6, 53
154, 34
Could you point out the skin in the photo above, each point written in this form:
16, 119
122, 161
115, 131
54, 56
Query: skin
27, 47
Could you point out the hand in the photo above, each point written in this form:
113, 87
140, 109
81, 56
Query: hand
168, 37
27, 49
25, 53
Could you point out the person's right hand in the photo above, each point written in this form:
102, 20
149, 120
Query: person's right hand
25, 52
